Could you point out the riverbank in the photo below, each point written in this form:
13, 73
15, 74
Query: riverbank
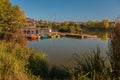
27, 64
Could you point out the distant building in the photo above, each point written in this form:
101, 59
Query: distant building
31, 22
36, 31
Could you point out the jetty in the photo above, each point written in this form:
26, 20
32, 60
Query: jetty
79, 35
35, 33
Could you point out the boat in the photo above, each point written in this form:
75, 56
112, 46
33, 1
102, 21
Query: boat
63, 35
32, 37
44, 36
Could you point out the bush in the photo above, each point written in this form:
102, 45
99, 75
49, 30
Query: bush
59, 73
38, 66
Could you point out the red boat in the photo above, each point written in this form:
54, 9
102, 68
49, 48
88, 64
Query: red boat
32, 37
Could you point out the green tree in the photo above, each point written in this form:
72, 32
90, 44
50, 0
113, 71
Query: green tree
63, 29
90, 24
71, 29
78, 29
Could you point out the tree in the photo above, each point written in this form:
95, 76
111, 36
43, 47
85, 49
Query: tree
98, 24
78, 29
66, 23
90, 24
71, 29
63, 29
12, 19
105, 23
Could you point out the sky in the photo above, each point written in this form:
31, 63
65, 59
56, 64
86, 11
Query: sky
70, 10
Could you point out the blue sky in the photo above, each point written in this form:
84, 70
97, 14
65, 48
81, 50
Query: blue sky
70, 10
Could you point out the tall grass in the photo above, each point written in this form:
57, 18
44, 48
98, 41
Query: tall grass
11, 68
15, 62
91, 66
114, 51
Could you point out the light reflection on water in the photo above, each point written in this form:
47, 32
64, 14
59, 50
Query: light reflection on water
60, 51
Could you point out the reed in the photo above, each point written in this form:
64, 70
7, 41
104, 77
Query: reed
114, 51
92, 66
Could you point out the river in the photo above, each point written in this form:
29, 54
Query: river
60, 51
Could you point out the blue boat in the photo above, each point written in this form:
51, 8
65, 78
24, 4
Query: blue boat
44, 36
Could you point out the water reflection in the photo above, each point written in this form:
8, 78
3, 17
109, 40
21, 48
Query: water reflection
103, 34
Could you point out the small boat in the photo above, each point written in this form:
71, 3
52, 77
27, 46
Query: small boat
57, 36
63, 35
44, 36
32, 36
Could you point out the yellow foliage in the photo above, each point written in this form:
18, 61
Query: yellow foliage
66, 23
105, 23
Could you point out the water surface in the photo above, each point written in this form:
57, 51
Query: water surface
60, 51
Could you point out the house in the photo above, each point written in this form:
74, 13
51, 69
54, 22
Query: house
31, 22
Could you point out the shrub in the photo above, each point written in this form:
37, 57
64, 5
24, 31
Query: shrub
59, 73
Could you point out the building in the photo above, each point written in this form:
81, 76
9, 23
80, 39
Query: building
31, 22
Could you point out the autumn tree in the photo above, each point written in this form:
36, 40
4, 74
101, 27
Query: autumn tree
12, 19
66, 23
105, 23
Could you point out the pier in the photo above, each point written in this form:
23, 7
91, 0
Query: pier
32, 32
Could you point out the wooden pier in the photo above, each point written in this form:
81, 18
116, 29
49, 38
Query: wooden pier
78, 35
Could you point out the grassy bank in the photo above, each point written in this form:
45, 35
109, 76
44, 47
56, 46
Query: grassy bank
15, 62
19, 62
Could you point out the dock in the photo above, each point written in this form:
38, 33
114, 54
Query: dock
36, 33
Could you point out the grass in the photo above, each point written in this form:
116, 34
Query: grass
92, 66
15, 62
19, 62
